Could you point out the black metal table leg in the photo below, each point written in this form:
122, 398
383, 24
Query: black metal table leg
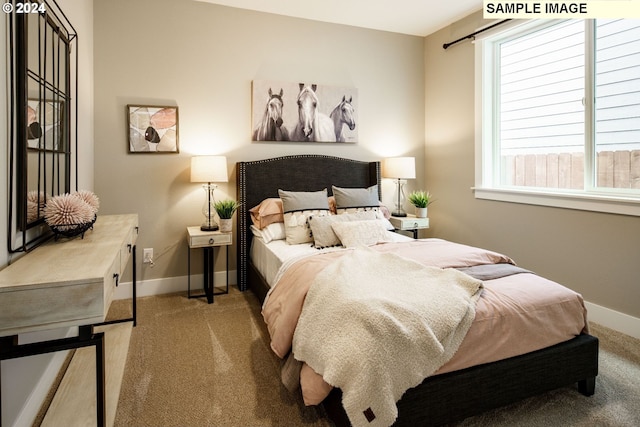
208, 273
100, 380
208, 261
134, 284
10, 349
227, 273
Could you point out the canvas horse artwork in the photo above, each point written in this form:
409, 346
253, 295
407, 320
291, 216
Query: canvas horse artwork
312, 125
271, 126
295, 112
343, 115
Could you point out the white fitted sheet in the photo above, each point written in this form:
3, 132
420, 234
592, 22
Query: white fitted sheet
269, 257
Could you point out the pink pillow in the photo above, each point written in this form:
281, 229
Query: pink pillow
333, 208
269, 211
385, 211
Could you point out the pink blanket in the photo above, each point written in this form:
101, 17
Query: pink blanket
514, 315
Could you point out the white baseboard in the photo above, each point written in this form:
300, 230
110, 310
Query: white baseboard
613, 319
170, 285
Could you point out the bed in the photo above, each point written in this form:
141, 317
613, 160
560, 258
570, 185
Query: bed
443, 398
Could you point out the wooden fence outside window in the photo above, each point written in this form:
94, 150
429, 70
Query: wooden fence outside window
615, 169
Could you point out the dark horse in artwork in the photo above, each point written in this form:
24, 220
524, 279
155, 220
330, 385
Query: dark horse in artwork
343, 115
271, 128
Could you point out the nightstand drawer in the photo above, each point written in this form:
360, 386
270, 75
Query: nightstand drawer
200, 239
409, 223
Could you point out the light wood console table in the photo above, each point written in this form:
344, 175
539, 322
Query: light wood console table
68, 283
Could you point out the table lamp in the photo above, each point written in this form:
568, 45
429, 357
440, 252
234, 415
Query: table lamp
209, 169
399, 168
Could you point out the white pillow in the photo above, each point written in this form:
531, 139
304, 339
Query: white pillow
354, 200
360, 233
323, 235
274, 231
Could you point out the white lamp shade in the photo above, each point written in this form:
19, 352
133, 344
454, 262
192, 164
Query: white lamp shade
399, 167
209, 169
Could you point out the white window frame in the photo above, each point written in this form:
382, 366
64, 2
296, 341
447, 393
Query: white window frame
486, 183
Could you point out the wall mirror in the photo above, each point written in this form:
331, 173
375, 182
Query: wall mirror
43, 122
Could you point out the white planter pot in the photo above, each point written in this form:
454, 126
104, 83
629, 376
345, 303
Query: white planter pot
226, 225
421, 212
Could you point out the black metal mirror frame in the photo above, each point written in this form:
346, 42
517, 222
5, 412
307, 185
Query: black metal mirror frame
43, 119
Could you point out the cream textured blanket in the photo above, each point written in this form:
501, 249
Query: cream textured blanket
376, 324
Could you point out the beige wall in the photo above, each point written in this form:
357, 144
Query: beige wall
202, 58
596, 254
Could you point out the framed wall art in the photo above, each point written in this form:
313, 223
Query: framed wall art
152, 129
303, 112
44, 120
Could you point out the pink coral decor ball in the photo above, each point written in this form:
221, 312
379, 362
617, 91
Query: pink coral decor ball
66, 211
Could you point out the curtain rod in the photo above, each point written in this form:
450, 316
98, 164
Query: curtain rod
469, 36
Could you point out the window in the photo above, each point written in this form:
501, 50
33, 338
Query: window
559, 114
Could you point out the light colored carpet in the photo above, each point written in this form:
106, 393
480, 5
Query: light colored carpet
616, 402
195, 364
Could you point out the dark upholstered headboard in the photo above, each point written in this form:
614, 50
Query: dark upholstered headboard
261, 179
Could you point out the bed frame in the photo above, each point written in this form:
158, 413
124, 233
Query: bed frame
440, 399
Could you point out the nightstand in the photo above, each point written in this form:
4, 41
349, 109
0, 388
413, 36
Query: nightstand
207, 241
409, 223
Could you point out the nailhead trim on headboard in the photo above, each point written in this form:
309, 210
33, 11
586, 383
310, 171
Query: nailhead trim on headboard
260, 179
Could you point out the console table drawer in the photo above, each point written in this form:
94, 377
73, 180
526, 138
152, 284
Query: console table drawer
69, 282
127, 247
54, 306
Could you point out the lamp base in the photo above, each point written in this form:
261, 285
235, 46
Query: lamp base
208, 210
399, 212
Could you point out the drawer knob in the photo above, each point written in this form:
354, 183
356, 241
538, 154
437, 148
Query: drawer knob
129, 247
211, 241
415, 224
117, 277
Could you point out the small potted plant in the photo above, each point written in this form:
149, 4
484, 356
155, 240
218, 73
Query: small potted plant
225, 210
421, 200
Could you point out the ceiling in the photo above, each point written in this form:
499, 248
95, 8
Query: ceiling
414, 17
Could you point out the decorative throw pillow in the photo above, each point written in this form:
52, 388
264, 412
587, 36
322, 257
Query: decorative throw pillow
386, 213
298, 206
323, 234
352, 200
360, 233
269, 211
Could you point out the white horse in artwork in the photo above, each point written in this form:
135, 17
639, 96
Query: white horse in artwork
312, 124
270, 127
343, 115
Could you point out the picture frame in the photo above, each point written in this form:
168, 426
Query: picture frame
303, 112
152, 129
44, 124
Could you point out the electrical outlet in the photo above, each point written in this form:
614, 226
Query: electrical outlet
147, 255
